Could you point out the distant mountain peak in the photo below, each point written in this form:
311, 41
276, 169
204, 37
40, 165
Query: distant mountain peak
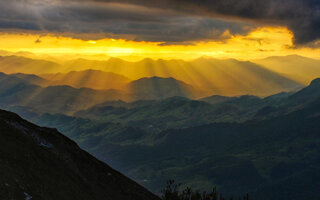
163, 80
157, 78
159, 87
115, 59
293, 56
147, 60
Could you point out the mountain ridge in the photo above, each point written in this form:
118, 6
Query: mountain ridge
94, 79
158, 87
41, 163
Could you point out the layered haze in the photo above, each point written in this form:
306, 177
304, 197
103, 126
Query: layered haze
208, 76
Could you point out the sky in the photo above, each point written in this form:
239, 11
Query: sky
166, 29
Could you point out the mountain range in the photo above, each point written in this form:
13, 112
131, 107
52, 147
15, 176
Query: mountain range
55, 99
273, 147
208, 75
29, 90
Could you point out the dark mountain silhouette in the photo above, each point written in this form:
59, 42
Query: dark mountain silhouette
181, 112
41, 163
175, 112
289, 102
308, 93
120, 103
290, 172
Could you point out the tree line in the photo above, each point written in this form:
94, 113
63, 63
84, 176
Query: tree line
172, 192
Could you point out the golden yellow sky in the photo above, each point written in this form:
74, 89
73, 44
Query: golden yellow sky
260, 43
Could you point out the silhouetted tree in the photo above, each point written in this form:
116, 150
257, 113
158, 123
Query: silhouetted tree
171, 192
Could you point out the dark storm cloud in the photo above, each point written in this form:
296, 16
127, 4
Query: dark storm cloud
165, 20
119, 20
19, 25
300, 16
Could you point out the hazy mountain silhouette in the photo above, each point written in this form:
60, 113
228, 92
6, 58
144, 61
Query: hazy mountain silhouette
297, 68
25, 54
41, 163
223, 77
160, 88
94, 79
17, 64
220, 77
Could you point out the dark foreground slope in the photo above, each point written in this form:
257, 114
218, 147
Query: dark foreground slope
41, 163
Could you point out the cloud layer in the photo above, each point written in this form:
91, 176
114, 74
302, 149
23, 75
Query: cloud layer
166, 21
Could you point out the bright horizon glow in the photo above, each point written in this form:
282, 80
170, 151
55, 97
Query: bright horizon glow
260, 43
